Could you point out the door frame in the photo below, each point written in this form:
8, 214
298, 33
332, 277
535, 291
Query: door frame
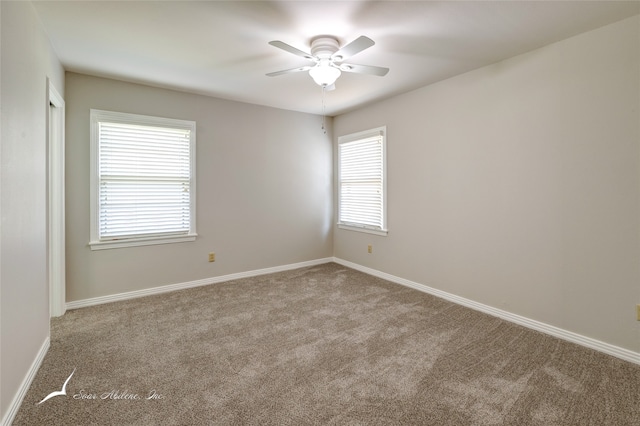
56, 199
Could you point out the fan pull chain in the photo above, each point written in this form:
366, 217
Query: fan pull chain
324, 129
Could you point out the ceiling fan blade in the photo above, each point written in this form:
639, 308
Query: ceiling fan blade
364, 69
284, 46
356, 46
289, 71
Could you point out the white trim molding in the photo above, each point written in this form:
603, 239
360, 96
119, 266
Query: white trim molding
55, 211
106, 131
362, 158
26, 383
551, 330
197, 283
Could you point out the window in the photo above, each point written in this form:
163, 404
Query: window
142, 180
362, 183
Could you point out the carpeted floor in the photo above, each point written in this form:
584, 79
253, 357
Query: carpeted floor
322, 345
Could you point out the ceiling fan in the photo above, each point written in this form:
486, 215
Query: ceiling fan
328, 58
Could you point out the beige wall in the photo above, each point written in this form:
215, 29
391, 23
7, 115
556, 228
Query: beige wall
27, 61
517, 185
264, 190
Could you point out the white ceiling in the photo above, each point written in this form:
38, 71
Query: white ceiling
220, 48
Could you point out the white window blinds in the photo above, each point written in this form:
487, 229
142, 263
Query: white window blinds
362, 181
144, 184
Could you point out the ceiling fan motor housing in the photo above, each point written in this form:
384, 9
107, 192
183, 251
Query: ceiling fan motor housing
323, 47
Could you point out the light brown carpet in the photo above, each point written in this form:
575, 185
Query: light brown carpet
322, 345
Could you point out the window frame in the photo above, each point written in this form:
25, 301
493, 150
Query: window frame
353, 137
97, 116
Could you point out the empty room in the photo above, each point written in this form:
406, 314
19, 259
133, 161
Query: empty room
320, 212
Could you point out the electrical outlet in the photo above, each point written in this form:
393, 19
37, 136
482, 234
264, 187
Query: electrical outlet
212, 257
638, 312
370, 248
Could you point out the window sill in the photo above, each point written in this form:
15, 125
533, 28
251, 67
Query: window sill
149, 241
382, 232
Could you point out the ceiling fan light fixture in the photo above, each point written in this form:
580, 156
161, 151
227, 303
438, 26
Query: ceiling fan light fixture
324, 75
327, 56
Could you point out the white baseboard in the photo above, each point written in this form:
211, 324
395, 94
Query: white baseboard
180, 286
570, 336
26, 383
